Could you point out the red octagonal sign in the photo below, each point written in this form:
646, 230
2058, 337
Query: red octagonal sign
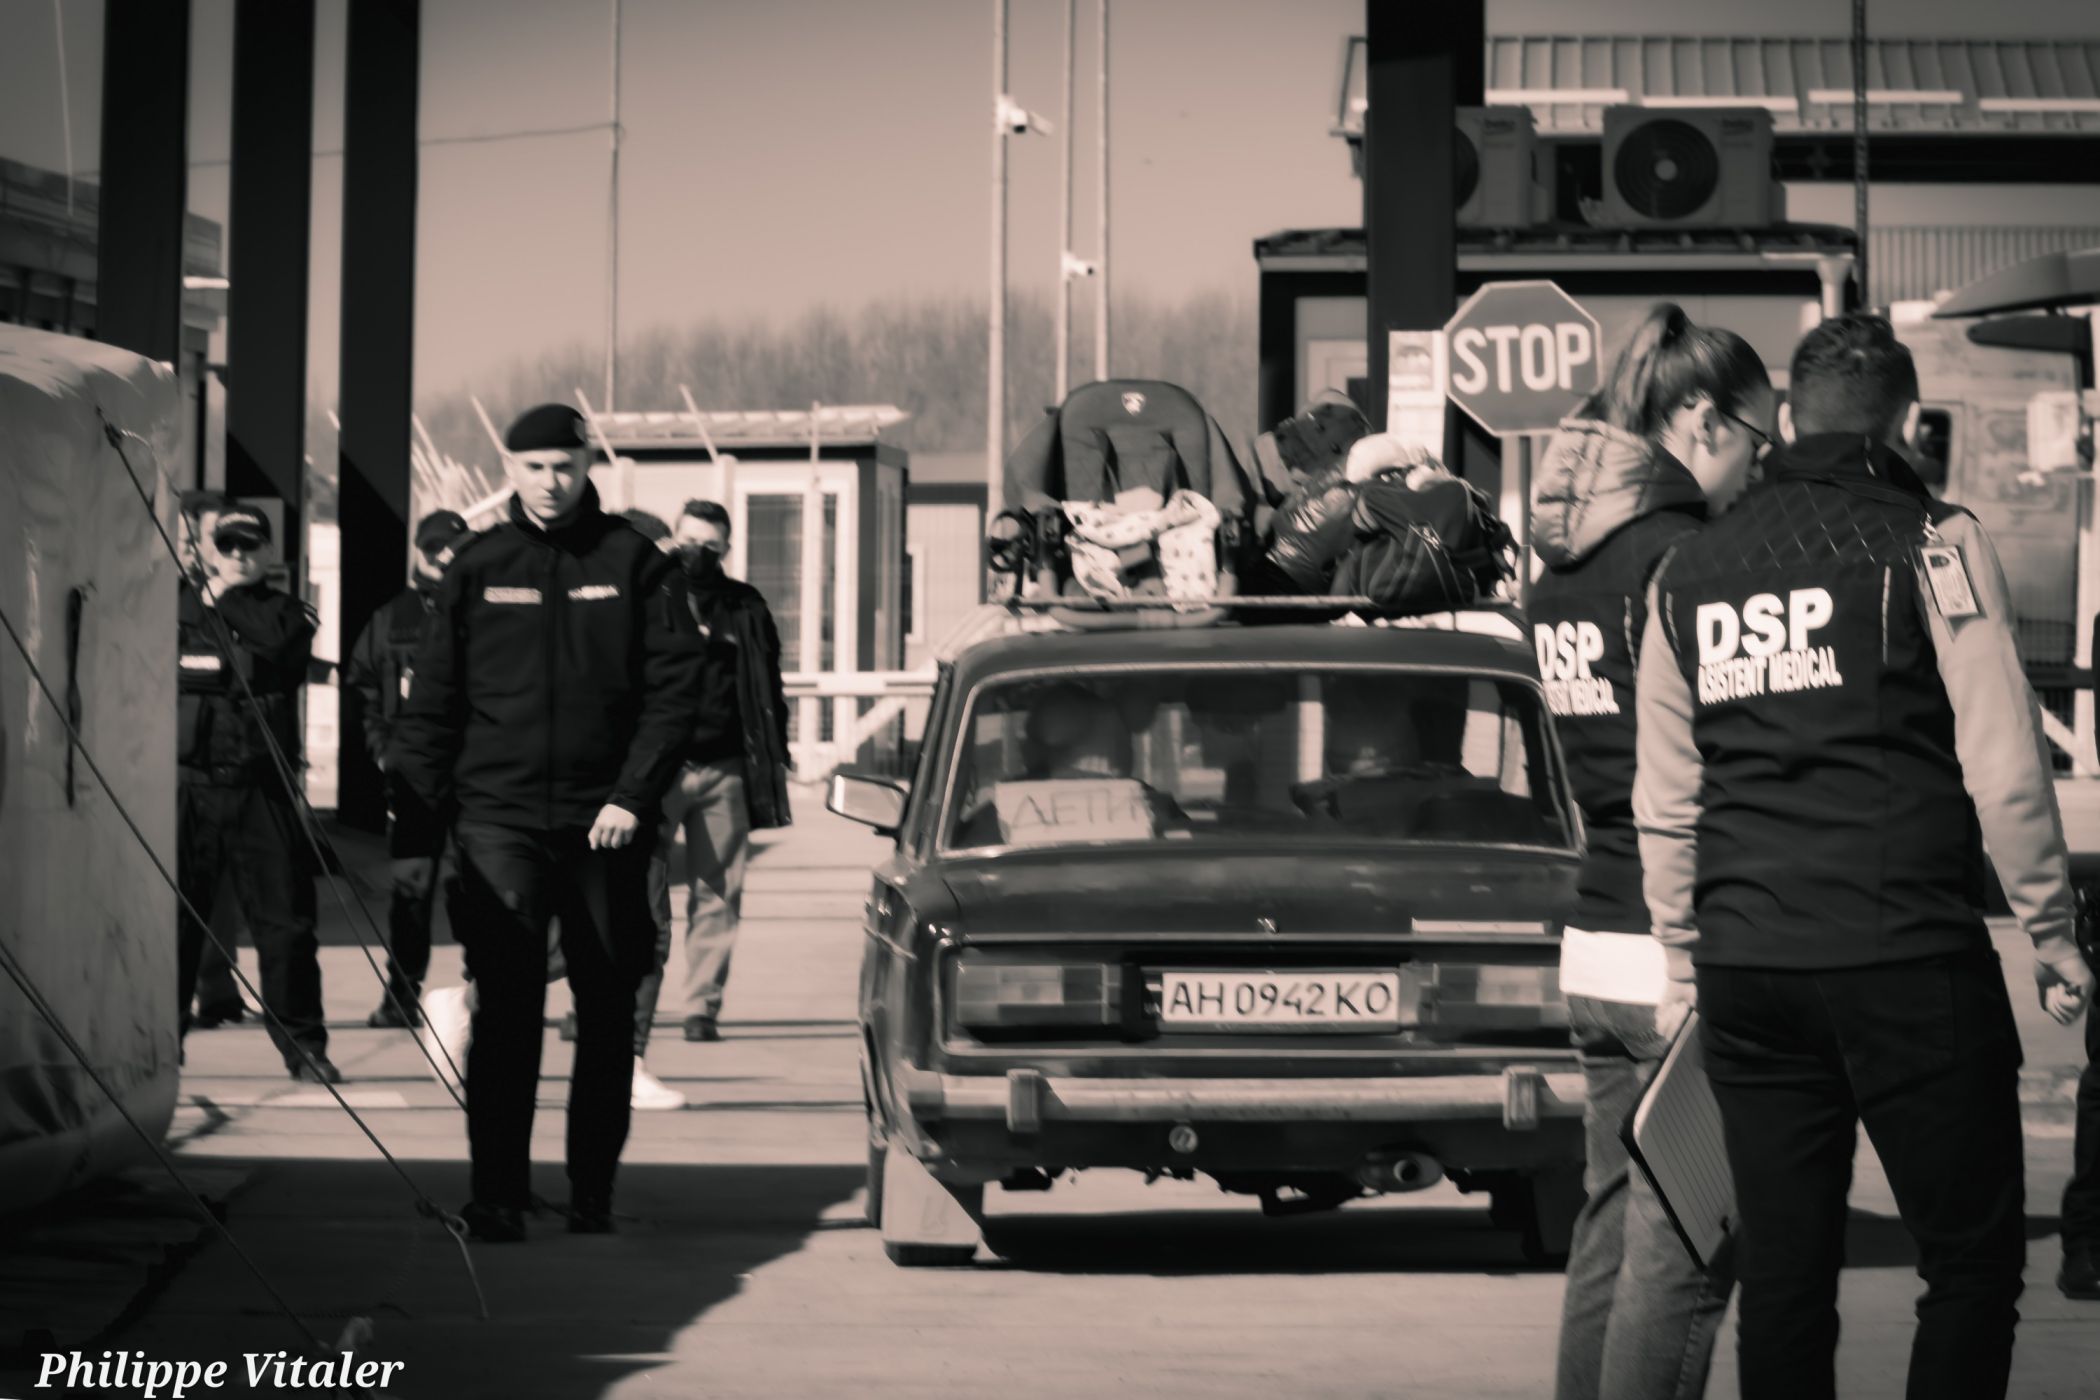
1522, 355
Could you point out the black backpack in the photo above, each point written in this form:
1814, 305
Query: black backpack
1427, 548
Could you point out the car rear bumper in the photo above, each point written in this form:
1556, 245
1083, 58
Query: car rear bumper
1520, 1097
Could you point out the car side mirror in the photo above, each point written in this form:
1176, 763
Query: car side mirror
868, 799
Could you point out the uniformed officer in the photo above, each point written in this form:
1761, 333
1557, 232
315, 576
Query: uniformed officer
548, 710
235, 817
378, 672
218, 998
1833, 725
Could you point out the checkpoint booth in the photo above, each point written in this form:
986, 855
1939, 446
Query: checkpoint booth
816, 502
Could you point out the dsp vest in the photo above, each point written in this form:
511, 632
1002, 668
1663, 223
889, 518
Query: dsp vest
1587, 619
1834, 827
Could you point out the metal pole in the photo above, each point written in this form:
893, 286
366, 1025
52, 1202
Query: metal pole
612, 235
995, 355
1859, 144
1101, 273
2086, 598
810, 619
1064, 216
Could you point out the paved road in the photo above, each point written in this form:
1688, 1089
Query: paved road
745, 1270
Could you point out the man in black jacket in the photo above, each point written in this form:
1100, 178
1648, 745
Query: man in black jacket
378, 672
548, 711
235, 818
1833, 724
734, 778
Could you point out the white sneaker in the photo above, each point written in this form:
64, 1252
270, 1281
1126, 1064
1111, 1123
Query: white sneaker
447, 1031
652, 1095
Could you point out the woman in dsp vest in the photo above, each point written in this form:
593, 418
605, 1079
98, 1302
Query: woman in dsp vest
1671, 435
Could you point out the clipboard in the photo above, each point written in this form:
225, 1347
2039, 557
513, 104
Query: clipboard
1674, 1138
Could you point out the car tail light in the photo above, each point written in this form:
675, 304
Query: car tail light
1486, 996
1002, 995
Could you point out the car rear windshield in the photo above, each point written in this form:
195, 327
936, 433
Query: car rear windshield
1205, 755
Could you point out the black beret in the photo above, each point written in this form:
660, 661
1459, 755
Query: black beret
549, 425
439, 528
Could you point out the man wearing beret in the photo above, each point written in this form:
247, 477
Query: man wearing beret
244, 651
378, 672
547, 715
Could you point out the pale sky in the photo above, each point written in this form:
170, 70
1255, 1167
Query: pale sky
784, 154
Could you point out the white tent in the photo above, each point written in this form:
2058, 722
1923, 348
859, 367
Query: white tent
87, 584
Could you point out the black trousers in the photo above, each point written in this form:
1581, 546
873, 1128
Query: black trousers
2081, 1214
245, 838
1926, 1056
512, 885
415, 847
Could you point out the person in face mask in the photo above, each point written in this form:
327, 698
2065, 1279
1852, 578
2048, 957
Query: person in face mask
735, 774
379, 670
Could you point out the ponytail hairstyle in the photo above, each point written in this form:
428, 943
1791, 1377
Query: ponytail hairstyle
1669, 362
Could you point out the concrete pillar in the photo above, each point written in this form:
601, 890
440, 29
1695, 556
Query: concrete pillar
145, 176
1422, 63
273, 107
376, 397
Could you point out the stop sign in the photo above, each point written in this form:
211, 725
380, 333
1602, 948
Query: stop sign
1522, 355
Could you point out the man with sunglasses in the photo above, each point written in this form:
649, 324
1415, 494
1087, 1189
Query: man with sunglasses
244, 650
378, 672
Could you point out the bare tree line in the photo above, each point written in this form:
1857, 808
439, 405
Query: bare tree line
927, 357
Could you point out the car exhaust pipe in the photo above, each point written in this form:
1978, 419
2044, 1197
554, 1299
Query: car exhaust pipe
1400, 1171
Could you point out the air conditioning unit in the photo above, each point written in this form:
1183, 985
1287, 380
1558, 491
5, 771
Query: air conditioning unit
1689, 168
1503, 174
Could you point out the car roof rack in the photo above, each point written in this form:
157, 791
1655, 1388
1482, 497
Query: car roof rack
1499, 618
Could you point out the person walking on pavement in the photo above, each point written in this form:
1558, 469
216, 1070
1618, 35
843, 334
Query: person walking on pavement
218, 997
1671, 436
733, 780
1833, 727
548, 710
244, 651
2079, 1276
380, 666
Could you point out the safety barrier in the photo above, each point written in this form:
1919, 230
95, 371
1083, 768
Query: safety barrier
840, 695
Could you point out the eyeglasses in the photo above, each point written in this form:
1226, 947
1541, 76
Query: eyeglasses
1765, 441
229, 544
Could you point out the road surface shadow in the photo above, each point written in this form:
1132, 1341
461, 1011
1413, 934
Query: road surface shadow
1386, 1239
1875, 1241
570, 1316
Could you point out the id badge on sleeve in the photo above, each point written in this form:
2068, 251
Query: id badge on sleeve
1947, 573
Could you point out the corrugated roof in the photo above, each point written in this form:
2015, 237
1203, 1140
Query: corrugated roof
1976, 86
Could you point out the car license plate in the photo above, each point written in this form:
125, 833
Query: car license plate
1295, 1001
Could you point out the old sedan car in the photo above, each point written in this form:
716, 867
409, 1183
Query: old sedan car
1271, 904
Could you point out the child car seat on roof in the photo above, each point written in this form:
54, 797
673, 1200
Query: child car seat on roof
1123, 434
1107, 439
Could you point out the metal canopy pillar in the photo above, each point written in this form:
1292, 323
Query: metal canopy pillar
1422, 62
145, 176
376, 394
273, 110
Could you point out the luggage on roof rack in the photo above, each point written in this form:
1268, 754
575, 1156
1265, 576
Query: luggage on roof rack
1130, 492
